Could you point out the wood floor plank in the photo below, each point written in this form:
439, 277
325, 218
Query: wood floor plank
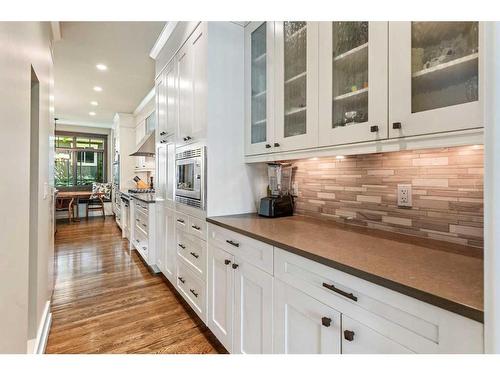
106, 301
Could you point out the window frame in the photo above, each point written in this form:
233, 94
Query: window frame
74, 154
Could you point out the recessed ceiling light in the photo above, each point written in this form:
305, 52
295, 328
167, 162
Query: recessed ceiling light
94, 103
101, 67
97, 88
92, 113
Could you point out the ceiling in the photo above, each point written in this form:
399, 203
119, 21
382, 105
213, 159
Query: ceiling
124, 48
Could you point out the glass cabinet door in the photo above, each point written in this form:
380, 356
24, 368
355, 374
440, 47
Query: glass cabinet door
296, 91
258, 79
353, 67
434, 77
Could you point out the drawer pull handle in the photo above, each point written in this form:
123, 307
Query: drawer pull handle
194, 292
396, 125
181, 280
231, 242
326, 321
339, 291
182, 246
195, 255
180, 221
144, 225
137, 220
349, 335
227, 262
235, 266
195, 227
144, 248
374, 128
137, 241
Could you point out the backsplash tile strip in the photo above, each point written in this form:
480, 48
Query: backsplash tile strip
447, 188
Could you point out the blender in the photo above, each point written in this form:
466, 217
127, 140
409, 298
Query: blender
279, 201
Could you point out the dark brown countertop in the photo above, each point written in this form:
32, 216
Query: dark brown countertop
442, 274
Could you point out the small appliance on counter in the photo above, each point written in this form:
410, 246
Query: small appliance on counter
279, 201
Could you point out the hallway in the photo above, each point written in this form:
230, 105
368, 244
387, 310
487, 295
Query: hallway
106, 301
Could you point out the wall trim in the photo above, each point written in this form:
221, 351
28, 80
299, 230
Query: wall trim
162, 38
43, 330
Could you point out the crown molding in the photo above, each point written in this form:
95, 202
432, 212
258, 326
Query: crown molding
163, 38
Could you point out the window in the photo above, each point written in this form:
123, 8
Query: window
80, 159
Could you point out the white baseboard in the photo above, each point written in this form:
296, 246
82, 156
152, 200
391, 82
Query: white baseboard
42, 335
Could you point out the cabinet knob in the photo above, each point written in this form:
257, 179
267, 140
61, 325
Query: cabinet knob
396, 125
326, 321
268, 146
374, 128
349, 335
235, 266
276, 144
162, 133
227, 261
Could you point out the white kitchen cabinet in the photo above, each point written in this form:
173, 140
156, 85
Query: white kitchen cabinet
360, 339
253, 310
353, 85
259, 90
220, 295
296, 85
170, 245
435, 77
160, 241
192, 72
303, 325
171, 99
161, 105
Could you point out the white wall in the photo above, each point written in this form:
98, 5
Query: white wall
23, 44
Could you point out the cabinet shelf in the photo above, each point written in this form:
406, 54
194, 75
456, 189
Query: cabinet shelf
448, 67
260, 122
259, 94
351, 52
259, 58
294, 78
351, 95
295, 110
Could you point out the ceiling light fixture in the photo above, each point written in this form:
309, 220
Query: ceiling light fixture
97, 88
101, 67
92, 113
94, 103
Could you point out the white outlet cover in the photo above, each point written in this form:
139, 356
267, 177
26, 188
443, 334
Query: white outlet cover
404, 194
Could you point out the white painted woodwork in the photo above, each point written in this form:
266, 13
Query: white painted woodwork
446, 119
192, 289
298, 327
220, 295
377, 88
170, 245
253, 310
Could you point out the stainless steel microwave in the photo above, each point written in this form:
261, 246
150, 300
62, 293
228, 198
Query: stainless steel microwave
190, 177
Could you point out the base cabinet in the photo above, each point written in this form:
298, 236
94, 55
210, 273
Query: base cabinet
170, 245
240, 299
303, 325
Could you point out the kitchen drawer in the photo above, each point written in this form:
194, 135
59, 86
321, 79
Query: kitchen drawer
249, 250
141, 230
360, 339
141, 245
141, 207
142, 223
416, 325
192, 251
192, 289
181, 221
198, 228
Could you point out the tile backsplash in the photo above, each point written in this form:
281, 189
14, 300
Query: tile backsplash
447, 194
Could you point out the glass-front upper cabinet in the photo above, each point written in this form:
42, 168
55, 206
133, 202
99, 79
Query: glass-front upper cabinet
434, 77
353, 84
296, 69
259, 74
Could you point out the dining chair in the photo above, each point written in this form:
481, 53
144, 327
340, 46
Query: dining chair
100, 192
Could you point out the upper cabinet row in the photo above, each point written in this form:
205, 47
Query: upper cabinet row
314, 84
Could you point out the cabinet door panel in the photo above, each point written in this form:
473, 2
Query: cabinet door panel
185, 69
435, 77
296, 69
220, 295
259, 91
199, 52
303, 325
170, 245
353, 85
171, 100
253, 312
360, 339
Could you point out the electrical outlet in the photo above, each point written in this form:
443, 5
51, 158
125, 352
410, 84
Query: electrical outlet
404, 195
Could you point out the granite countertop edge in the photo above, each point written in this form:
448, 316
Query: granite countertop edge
435, 300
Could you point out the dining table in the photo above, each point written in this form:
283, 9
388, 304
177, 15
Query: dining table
75, 196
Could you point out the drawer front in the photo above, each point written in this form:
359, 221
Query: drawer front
360, 339
193, 251
249, 250
198, 228
141, 221
192, 289
385, 311
141, 207
181, 221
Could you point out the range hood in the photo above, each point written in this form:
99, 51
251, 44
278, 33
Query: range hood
146, 146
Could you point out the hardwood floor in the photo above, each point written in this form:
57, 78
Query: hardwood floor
106, 301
